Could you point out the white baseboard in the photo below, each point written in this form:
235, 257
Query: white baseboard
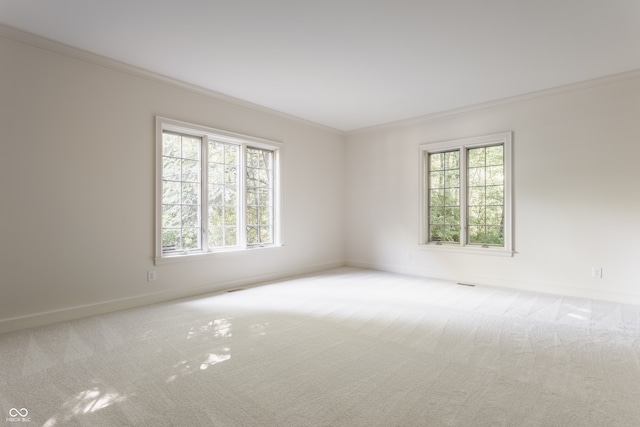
71, 313
501, 282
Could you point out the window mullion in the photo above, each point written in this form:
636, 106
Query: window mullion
242, 197
464, 197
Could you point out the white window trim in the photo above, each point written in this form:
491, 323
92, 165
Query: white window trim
165, 124
504, 138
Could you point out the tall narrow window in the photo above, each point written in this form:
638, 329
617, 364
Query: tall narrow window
485, 175
224, 194
444, 196
467, 194
181, 192
216, 191
259, 196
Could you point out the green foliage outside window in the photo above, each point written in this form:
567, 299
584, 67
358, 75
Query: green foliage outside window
484, 196
444, 196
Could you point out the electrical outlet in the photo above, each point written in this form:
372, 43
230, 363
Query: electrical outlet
596, 272
151, 276
409, 255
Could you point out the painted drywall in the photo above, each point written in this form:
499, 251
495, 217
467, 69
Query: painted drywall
77, 153
576, 197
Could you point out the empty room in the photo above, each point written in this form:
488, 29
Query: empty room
295, 213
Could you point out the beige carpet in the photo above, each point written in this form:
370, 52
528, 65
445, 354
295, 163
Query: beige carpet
346, 347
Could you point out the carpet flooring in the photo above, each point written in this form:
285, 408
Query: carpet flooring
345, 347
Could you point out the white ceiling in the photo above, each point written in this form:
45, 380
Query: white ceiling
350, 64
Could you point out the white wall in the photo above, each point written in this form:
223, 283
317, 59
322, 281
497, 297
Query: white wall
77, 191
577, 203
77, 150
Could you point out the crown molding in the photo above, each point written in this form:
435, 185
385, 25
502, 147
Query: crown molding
517, 99
39, 42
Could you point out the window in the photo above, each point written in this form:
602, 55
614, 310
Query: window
217, 191
466, 195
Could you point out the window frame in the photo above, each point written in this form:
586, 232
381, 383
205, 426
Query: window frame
463, 145
207, 134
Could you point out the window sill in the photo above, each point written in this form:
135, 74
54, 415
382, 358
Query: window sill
203, 256
492, 251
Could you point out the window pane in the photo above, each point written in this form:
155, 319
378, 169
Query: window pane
452, 178
170, 239
265, 216
252, 196
216, 152
436, 198
494, 155
170, 192
216, 174
477, 215
223, 228
191, 148
230, 236
265, 177
451, 234
230, 195
495, 195
495, 215
252, 235
436, 179
259, 193
216, 216
216, 236
230, 215
265, 234
486, 195
476, 234
268, 160
476, 157
452, 197
264, 197
171, 169
452, 215
231, 175
436, 214
181, 192
190, 193
170, 145
437, 233
190, 171
494, 175
436, 162
252, 215
452, 160
190, 238
476, 196
231, 152
444, 196
190, 216
216, 195
224, 162
476, 177
171, 216
253, 159
494, 236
